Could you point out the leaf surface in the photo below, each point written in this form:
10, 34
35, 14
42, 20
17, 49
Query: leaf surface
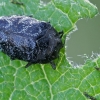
40, 81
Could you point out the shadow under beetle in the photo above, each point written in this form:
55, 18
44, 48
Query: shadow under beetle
28, 39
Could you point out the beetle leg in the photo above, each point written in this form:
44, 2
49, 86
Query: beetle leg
61, 34
28, 64
53, 65
30, 16
97, 68
89, 96
49, 22
16, 2
12, 58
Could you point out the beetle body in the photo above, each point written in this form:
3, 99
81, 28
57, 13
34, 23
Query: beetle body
28, 39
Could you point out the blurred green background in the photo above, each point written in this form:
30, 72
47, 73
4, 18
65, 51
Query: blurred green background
85, 40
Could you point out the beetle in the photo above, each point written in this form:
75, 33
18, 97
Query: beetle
28, 39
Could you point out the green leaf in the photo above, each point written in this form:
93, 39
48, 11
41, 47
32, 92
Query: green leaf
40, 81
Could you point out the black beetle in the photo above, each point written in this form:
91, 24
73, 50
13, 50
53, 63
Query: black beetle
28, 39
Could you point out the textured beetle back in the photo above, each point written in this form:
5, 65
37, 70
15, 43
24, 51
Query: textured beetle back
28, 39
